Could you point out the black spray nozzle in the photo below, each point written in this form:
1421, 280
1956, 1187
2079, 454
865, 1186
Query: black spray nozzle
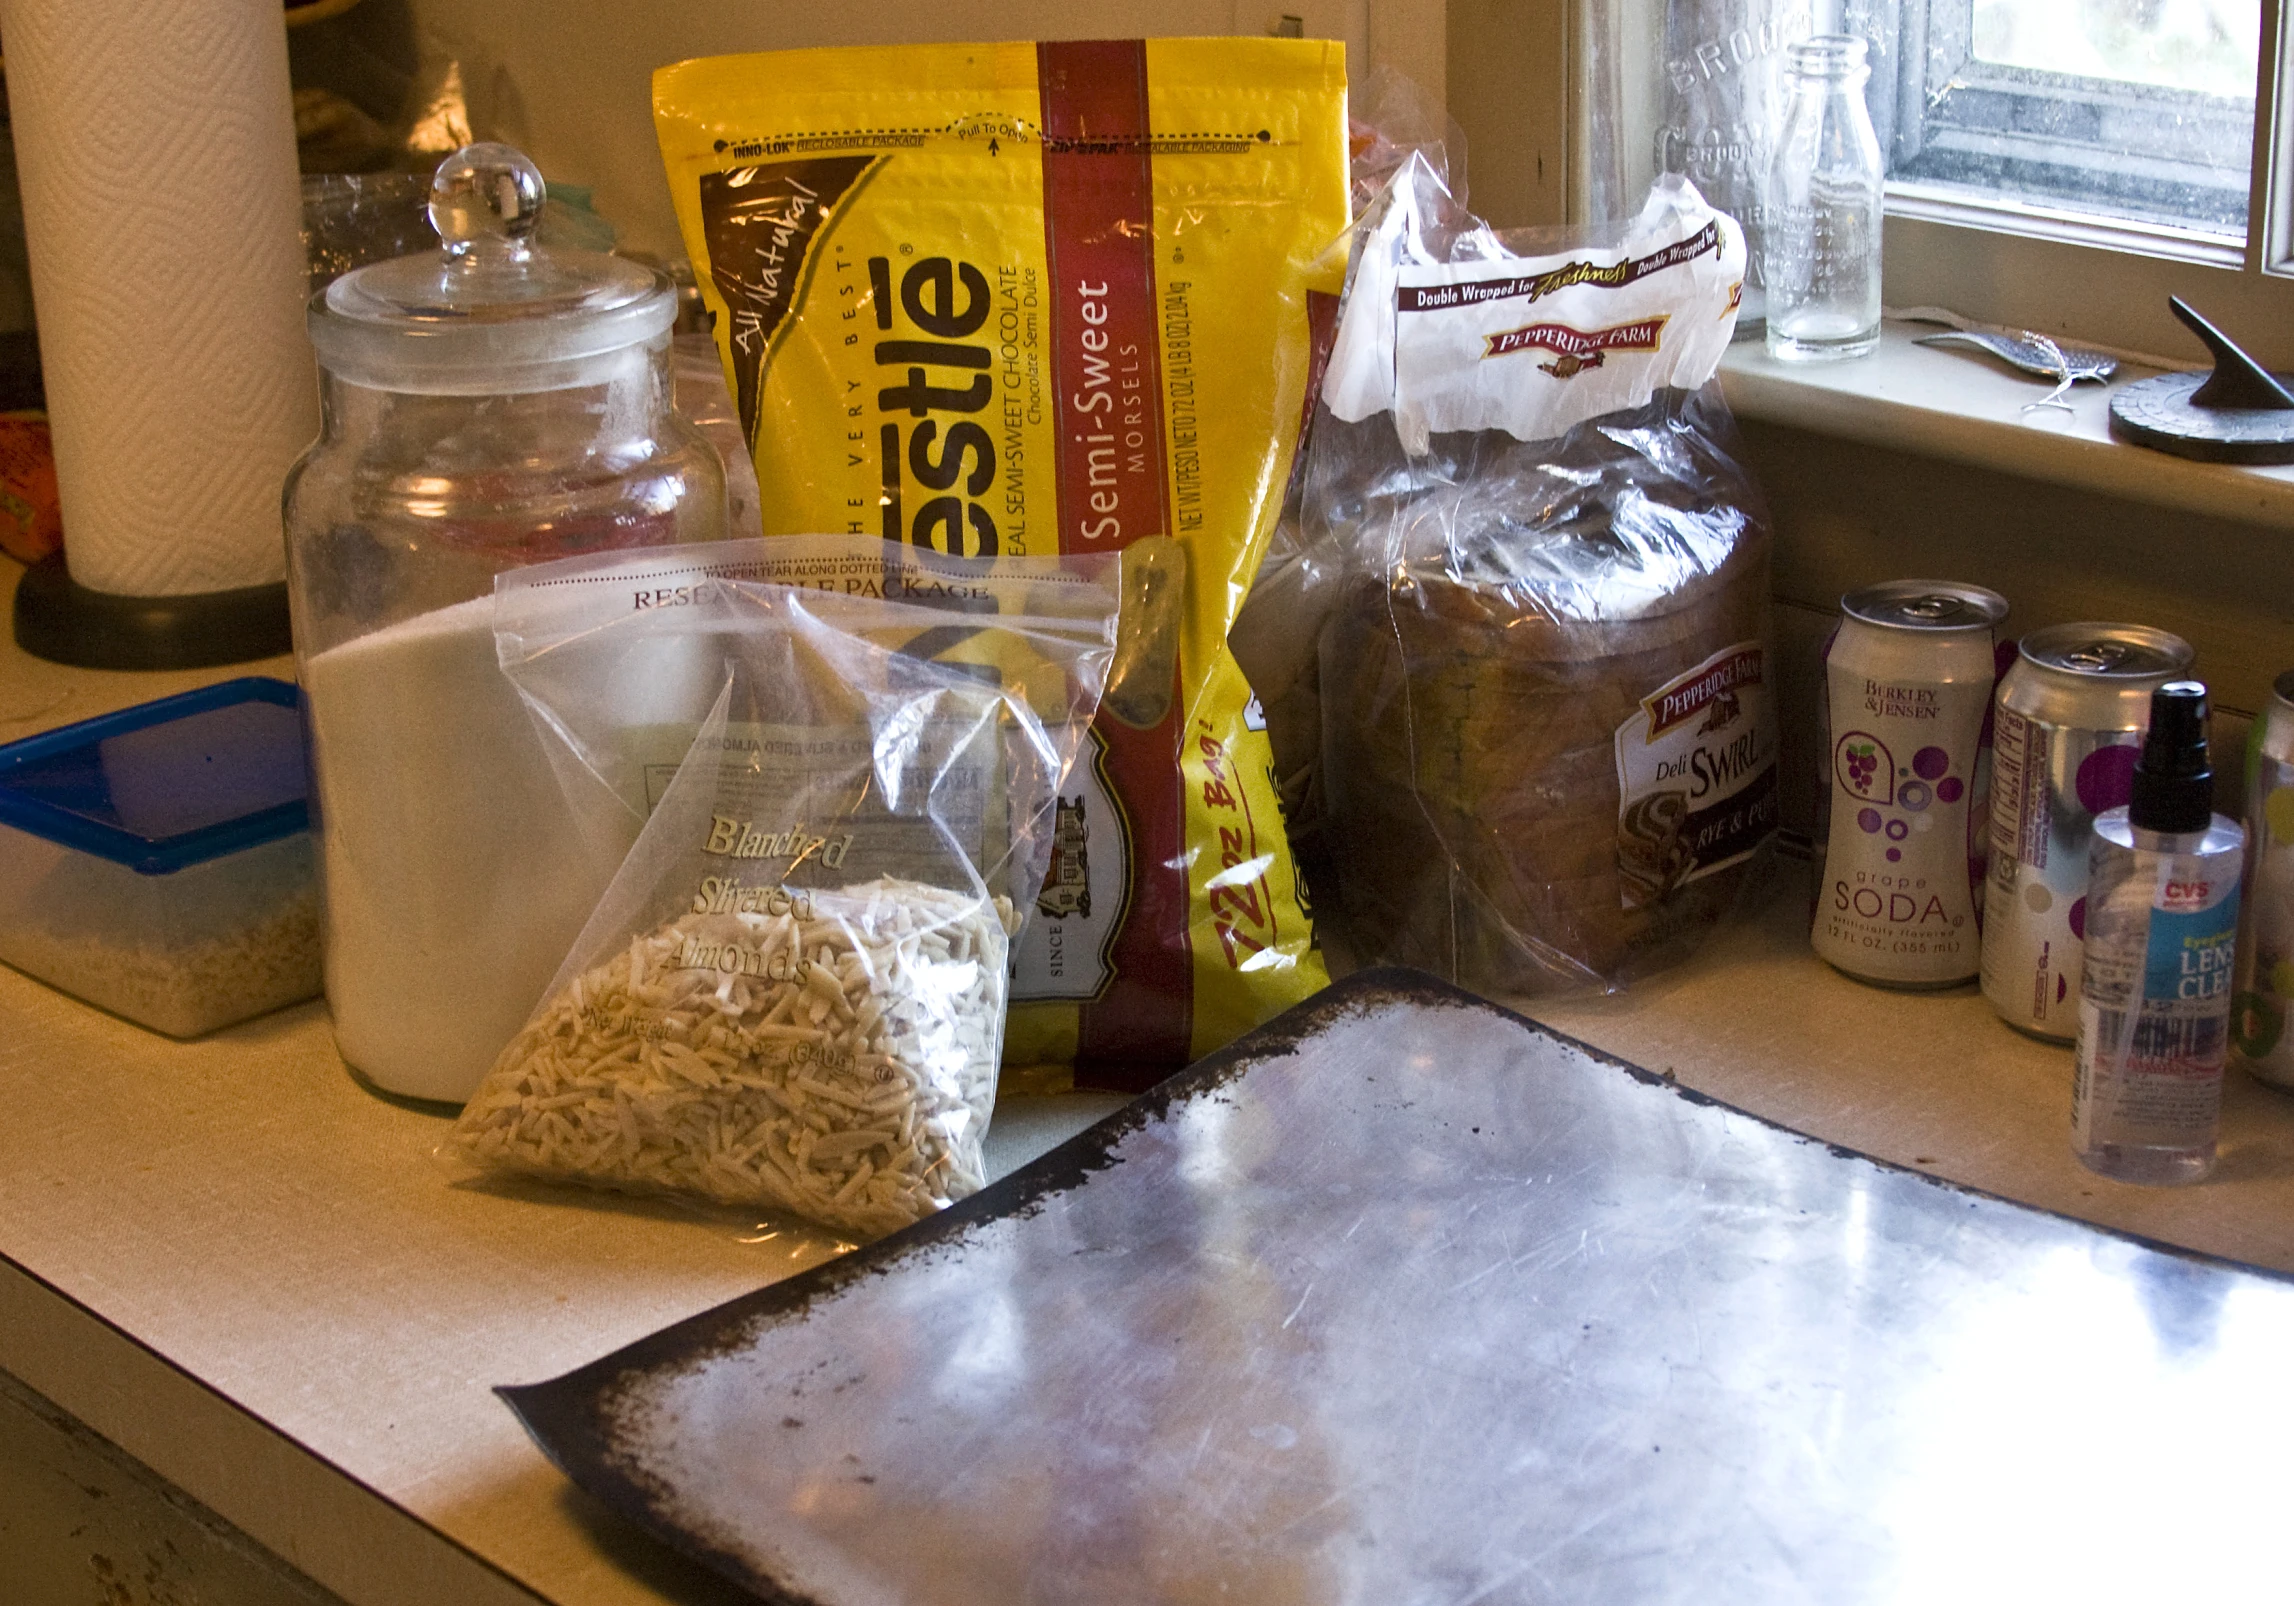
2174, 782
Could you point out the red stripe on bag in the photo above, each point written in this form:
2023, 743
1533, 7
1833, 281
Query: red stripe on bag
1099, 216
1099, 219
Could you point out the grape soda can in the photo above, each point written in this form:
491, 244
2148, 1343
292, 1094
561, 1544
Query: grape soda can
2066, 730
2262, 1007
1908, 683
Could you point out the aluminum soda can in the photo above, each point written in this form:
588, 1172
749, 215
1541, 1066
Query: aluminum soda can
2262, 1006
2065, 733
1908, 683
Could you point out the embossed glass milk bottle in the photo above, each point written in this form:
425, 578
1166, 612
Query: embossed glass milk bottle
1824, 200
1727, 82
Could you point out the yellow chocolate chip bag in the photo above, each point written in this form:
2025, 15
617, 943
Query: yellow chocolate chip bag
1048, 299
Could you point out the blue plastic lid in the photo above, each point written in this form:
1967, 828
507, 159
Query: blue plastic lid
168, 784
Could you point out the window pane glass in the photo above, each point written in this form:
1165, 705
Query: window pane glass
2205, 45
2135, 110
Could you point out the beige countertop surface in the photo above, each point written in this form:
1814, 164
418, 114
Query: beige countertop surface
249, 1272
1932, 1081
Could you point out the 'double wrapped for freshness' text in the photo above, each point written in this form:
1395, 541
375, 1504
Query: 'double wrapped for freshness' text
1054, 299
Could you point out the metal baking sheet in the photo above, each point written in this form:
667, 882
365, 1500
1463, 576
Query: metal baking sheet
1408, 1301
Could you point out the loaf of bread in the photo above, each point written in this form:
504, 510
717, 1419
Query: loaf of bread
1491, 689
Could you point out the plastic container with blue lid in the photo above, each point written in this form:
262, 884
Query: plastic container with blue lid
157, 861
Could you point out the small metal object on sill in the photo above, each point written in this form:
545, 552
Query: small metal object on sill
2034, 353
2239, 412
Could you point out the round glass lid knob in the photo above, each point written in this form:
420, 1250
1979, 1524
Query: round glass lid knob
486, 196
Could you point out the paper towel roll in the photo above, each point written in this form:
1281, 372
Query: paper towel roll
155, 145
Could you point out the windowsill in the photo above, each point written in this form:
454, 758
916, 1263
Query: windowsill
1963, 406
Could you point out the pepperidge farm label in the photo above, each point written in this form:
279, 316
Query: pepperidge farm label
1535, 345
1696, 776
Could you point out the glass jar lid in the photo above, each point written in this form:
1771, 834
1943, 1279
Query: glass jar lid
490, 311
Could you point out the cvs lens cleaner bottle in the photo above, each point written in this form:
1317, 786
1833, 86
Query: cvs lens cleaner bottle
2161, 926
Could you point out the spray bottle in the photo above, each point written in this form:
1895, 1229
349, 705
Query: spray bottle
2161, 928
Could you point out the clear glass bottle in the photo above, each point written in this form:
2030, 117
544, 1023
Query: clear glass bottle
2160, 939
1822, 264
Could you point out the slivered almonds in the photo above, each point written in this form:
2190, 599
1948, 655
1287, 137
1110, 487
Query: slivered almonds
836, 1059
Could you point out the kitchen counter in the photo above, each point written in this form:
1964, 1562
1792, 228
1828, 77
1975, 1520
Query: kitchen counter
250, 1273
1932, 1081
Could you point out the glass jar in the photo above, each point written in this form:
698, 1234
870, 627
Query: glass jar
1824, 204
488, 405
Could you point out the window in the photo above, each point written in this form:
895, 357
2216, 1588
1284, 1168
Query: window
2140, 111
2060, 165
2066, 165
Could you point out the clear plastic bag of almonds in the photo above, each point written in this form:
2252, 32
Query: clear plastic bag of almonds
792, 996
1535, 569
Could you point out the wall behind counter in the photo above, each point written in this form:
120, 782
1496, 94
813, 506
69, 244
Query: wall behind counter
1848, 515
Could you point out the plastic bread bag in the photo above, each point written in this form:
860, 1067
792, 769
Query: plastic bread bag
792, 996
1391, 124
1548, 737
1047, 299
1390, 119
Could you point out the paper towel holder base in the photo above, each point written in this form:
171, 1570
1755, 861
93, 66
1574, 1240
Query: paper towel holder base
64, 622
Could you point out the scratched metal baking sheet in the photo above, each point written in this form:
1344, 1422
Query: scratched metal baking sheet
1406, 1301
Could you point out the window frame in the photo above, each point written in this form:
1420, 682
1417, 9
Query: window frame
2270, 227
